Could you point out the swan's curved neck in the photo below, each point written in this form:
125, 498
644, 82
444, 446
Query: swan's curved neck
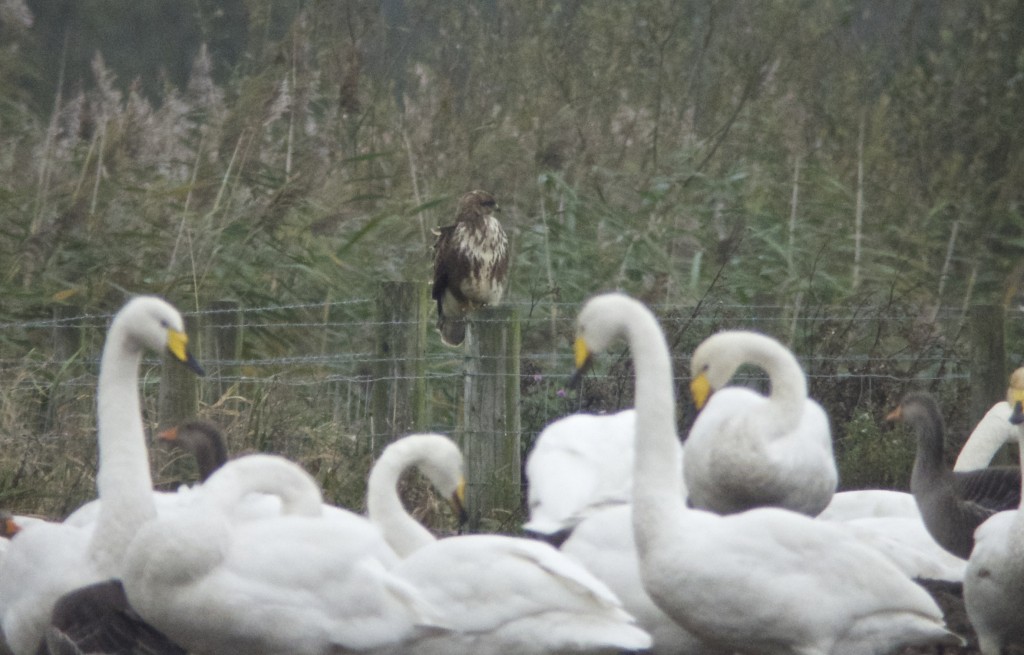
986, 439
264, 474
383, 505
123, 480
656, 467
788, 382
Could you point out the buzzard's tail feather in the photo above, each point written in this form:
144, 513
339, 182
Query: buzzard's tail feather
453, 330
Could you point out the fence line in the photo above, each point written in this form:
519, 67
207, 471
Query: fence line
34, 356
282, 348
283, 381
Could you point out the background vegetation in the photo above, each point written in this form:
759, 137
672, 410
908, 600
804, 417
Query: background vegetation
831, 160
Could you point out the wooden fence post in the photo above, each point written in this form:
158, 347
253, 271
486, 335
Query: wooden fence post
178, 398
399, 387
489, 434
221, 337
988, 376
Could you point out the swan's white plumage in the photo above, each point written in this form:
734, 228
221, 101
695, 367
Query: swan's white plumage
500, 594
589, 451
994, 429
169, 503
507, 595
748, 450
603, 542
579, 464
994, 580
744, 581
908, 544
890, 522
870, 503
299, 582
45, 561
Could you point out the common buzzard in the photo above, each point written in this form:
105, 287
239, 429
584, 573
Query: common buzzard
470, 264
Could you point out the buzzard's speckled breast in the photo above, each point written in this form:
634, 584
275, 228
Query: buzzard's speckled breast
471, 262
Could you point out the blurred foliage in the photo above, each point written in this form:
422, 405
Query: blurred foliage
239, 146
874, 455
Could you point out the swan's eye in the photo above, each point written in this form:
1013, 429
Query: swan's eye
164, 324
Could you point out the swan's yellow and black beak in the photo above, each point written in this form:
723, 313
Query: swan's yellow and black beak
177, 345
458, 503
1017, 415
700, 390
584, 360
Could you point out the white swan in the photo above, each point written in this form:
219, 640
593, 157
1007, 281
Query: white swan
762, 581
577, 465
298, 582
908, 544
994, 581
603, 542
47, 560
994, 429
501, 594
748, 450
870, 503
580, 475
440, 460
890, 522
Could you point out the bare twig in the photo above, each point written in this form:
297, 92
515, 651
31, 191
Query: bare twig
944, 275
859, 207
414, 176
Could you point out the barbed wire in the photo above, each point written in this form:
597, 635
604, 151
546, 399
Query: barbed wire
355, 364
762, 312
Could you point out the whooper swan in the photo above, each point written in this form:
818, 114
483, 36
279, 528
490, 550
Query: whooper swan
766, 580
749, 450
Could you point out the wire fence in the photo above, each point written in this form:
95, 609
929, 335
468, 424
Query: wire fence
298, 379
332, 343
